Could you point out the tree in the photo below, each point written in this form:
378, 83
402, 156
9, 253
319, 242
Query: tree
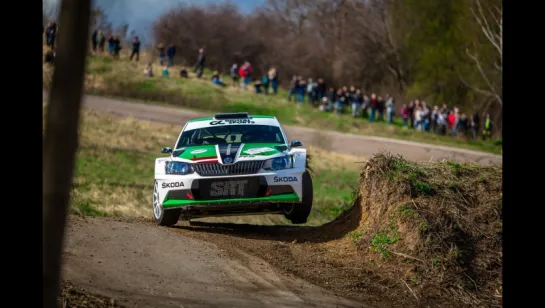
489, 19
61, 139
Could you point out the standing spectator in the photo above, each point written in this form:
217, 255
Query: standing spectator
426, 116
390, 108
47, 34
301, 90
321, 89
381, 105
487, 132
373, 107
51, 34
265, 83
451, 121
339, 105
247, 67
165, 71
199, 66
183, 72
456, 118
111, 45
475, 124
331, 95
411, 109
405, 115
117, 47
418, 118
434, 117
171, 52
234, 74
135, 49
162, 53
310, 90
365, 105
462, 124
94, 41
441, 124
101, 39
242, 72
273, 78
356, 103
294, 85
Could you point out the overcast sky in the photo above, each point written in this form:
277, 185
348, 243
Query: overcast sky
140, 14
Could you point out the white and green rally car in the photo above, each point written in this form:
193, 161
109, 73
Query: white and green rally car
232, 164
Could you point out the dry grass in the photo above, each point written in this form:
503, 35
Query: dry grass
114, 171
436, 226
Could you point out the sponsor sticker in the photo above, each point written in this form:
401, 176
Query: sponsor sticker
258, 150
228, 188
285, 179
235, 121
198, 151
173, 184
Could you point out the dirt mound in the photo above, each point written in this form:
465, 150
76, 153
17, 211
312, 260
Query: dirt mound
72, 296
437, 225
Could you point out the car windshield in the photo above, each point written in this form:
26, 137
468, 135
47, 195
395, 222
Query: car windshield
231, 134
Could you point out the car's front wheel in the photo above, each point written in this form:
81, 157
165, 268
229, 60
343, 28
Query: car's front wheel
298, 213
163, 218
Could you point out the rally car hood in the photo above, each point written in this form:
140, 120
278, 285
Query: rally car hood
230, 152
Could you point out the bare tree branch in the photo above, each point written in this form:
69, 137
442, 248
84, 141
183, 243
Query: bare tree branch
483, 74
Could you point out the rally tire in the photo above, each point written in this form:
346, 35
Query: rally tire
163, 217
299, 212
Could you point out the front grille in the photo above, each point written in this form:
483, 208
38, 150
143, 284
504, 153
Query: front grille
229, 188
216, 169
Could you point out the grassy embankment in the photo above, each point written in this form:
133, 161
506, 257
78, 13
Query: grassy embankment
114, 171
126, 80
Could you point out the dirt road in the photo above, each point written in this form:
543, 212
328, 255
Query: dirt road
358, 145
141, 265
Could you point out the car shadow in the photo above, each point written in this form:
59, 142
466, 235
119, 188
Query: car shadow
346, 222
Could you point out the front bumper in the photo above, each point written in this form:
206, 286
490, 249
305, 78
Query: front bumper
260, 190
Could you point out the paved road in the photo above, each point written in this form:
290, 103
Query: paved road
358, 145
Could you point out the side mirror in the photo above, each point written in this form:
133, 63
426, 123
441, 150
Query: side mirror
166, 150
296, 143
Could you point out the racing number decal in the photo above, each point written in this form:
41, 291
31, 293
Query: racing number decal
230, 188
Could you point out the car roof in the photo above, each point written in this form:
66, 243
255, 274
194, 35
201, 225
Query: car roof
212, 118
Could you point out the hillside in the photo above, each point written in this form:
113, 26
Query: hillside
126, 80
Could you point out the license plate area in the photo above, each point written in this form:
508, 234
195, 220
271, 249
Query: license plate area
229, 188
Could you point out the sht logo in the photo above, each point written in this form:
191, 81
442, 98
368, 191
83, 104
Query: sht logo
230, 188
285, 179
173, 184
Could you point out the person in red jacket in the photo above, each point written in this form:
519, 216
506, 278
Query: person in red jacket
451, 119
242, 74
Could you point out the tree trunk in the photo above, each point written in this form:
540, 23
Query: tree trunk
61, 139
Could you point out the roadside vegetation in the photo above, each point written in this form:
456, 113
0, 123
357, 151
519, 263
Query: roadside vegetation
126, 80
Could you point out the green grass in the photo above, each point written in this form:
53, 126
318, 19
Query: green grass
114, 172
126, 80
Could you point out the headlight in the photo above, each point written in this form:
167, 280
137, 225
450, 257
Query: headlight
176, 167
278, 163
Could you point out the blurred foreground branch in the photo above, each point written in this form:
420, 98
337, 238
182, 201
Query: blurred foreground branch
61, 139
